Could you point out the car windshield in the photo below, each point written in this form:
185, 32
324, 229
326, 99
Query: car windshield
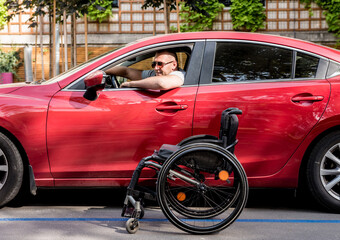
75, 69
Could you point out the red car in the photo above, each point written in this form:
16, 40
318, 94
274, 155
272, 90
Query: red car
289, 133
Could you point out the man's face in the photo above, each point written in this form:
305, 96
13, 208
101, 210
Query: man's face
165, 64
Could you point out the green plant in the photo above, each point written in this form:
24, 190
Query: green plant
100, 10
10, 61
331, 11
45, 7
247, 15
201, 18
173, 29
3, 14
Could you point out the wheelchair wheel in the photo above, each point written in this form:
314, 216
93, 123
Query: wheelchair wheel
202, 188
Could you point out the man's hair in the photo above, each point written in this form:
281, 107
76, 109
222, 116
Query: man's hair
171, 51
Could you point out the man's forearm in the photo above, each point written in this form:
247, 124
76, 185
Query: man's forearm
119, 71
155, 83
125, 72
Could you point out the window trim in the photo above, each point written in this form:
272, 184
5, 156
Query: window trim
206, 78
199, 51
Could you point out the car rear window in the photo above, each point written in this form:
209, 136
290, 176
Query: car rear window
306, 66
237, 62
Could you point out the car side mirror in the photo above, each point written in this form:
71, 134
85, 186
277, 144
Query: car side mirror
94, 83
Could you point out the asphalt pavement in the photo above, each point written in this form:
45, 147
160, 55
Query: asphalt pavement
95, 214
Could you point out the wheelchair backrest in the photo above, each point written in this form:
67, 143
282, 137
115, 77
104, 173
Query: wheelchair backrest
229, 127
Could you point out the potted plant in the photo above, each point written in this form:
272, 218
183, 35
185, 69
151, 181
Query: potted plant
9, 63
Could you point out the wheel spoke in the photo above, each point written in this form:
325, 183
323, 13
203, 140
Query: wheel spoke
330, 172
1, 153
212, 203
332, 183
222, 194
332, 157
3, 168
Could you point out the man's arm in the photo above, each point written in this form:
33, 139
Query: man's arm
129, 73
156, 83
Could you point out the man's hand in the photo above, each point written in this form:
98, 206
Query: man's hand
125, 85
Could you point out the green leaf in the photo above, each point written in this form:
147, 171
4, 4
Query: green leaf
247, 15
201, 19
3, 14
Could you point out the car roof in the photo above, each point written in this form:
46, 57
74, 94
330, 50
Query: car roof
321, 50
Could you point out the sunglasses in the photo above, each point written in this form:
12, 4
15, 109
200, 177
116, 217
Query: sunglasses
159, 64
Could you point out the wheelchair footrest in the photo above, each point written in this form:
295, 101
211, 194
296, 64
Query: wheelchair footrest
140, 194
127, 212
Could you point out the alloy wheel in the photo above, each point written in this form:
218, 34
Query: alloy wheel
3, 169
330, 171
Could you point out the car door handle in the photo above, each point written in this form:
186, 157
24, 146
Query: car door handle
307, 98
172, 107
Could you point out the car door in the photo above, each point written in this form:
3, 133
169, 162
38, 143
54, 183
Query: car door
282, 93
106, 138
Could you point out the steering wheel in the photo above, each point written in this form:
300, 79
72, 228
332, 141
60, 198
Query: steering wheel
114, 81
111, 81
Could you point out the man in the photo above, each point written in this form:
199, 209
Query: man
165, 75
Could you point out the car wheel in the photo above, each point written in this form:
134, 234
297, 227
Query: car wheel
11, 170
323, 172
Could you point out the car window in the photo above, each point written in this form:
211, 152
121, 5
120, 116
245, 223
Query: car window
144, 63
306, 66
333, 69
238, 62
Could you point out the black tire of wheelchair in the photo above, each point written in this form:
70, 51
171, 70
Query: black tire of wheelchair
314, 183
213, 212
162, 199
207, 213
199, 139
14, 179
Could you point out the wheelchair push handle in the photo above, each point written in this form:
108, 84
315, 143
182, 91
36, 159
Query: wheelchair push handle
233, 110
229, 127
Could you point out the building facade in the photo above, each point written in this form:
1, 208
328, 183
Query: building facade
130, 22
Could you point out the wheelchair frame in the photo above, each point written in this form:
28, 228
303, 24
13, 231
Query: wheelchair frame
171, 163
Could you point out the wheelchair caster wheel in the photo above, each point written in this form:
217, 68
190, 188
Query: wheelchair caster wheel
132, 225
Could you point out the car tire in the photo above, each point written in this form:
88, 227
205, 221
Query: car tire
323, 172
11, 170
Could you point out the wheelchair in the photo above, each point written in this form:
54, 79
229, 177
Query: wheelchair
201, 187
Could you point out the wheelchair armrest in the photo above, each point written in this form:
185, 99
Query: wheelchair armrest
166, 150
